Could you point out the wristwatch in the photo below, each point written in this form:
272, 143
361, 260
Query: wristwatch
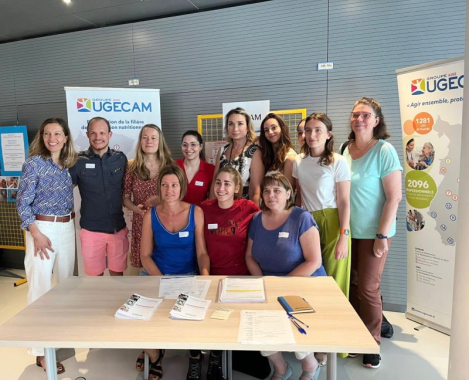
344, 231
381, 237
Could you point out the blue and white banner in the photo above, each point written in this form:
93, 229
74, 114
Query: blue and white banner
127, 110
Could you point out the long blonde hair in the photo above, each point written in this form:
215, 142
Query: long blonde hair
163, 155
68, 155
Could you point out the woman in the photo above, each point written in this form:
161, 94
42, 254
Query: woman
199, 174
284, 241
411, 155
275, 153
323, 182
227, 220
45, 205
427, 156
240, 149
172, 241
374, 198
141, 176
300, 130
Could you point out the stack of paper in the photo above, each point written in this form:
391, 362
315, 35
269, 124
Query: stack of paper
138, 307
244, 289
190, 308
172, 286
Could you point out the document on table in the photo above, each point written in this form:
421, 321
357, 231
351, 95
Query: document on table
172, 286
244, 289
138, 307
202, 288
190, 308
265, 327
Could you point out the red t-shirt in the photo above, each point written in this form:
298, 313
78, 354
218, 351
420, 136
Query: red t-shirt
198, 189
226, 233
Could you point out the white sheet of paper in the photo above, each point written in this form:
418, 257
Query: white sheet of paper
202, 288
244, 289
265, 327
12, 151
172, 286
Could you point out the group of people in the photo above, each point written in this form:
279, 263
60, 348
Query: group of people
262, 209
420, 161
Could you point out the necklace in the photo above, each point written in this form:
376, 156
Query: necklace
368, 143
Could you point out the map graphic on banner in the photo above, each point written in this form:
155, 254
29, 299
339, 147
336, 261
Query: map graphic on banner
431, 102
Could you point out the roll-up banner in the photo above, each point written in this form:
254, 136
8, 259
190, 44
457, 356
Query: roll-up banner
126, 109
431, 102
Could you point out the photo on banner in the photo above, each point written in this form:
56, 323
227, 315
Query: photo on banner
431, 101
127, 110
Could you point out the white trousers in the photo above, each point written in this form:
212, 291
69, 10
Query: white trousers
60, 265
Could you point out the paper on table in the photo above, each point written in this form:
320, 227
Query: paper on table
138, 307
202, 288
189, 307
242, 290
265, 327
172, 286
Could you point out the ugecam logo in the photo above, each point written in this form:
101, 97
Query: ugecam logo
83, 105
108, 105
436, 83
418, 86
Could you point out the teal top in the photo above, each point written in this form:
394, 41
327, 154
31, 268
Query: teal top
367, 193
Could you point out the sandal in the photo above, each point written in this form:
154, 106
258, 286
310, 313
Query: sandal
283, 376
60, 366
156, 371
321, 357
140, 363
311, 375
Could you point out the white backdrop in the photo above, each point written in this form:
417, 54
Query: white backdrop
127, 110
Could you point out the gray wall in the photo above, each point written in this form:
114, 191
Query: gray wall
261, 51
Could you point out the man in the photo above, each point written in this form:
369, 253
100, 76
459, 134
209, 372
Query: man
98, 173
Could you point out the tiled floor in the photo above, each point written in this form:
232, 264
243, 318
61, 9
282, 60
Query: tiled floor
409, 355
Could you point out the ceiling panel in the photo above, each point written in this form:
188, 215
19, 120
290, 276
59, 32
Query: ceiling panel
135, 12
22, 19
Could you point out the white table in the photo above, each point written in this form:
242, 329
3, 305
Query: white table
79, 313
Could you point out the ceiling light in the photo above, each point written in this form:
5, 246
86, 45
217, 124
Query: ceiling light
67, 1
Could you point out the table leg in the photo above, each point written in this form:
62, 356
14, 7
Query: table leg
146, 370
224, 361
229, 374
332, 366
51, 363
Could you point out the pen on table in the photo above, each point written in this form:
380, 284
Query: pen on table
292, 316
300, 329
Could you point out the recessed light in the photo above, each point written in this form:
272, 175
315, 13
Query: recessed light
67, 1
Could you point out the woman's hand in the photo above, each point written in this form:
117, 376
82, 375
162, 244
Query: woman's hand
341, 248
140, 209
380, 247
41, 244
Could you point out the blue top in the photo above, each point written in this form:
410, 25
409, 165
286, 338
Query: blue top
366, 191
174, 252
99, 180
427, 160
44, 189
279, 251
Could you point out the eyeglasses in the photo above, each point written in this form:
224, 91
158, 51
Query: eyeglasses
364, 115
191, 145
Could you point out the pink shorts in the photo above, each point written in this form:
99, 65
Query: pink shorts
95, 246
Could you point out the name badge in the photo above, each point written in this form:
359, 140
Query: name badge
198, 183
283, 234
183, 234
213, 226
90, 166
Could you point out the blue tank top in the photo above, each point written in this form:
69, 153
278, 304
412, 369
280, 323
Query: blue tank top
174, 252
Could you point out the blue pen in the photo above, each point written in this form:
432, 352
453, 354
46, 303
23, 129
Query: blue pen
300, 329
292, 316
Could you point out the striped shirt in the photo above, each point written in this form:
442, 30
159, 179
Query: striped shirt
44, 189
